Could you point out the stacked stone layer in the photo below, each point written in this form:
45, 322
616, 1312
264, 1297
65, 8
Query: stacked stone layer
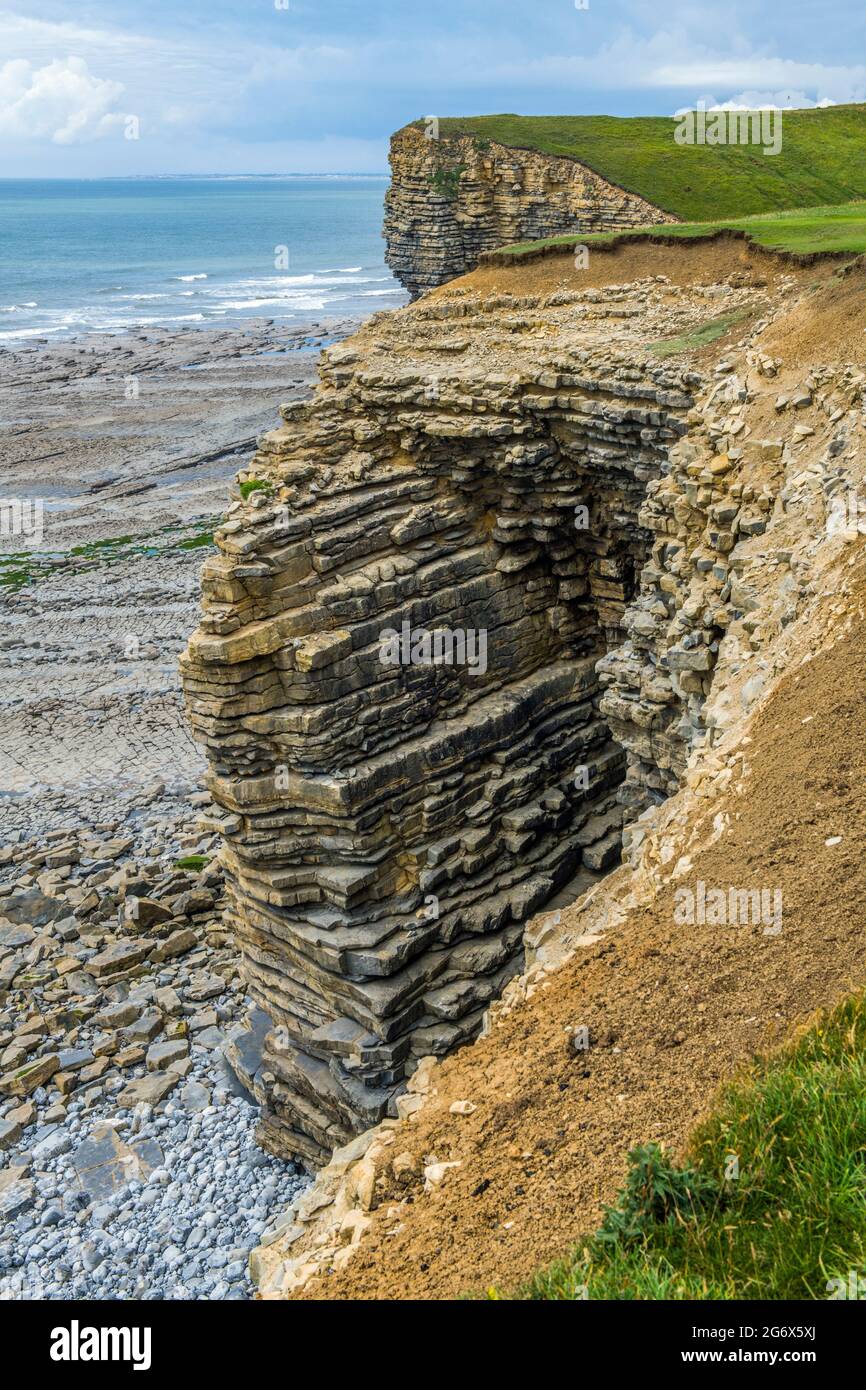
388, 829
450, 200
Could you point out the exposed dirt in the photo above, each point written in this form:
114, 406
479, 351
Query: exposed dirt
835, 317
686, 263
672, 1010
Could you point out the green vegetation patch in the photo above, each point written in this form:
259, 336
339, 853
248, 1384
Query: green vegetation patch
17, 570
820, 161
195, 862
708, 332
771, 1202
28, 567
255, 485
202, 541
446, 182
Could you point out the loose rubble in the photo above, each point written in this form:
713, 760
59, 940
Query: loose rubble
129, 1164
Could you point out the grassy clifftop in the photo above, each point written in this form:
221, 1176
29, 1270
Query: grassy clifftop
820, 162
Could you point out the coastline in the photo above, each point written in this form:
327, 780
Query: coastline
131, 442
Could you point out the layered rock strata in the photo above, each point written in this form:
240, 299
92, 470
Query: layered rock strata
452, 199
776, 450
388, 828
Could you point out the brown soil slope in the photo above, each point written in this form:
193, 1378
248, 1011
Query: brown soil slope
686, 263
672, 1010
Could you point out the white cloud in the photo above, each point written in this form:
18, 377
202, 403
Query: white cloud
757, 101
787, 79
62, 102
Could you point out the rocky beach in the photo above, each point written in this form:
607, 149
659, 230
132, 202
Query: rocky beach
129, 1167
431, 783
130, 443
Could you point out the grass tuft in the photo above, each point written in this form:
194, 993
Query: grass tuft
255, 485
192, 861
771, 1201
699, 337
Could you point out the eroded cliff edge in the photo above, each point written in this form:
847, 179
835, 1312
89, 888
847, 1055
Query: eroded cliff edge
450, 199
502, 1152
486, 462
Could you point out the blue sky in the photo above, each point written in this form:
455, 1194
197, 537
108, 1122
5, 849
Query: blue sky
278, 86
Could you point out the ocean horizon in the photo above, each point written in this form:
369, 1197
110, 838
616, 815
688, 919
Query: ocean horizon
116, 255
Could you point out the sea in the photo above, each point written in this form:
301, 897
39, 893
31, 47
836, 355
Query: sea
79, 255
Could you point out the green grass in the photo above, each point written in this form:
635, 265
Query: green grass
255, 485
699, 337
192, 861
16, 571
93, 550
20, 568
202, 541
837, 227
820, 162
793, 1219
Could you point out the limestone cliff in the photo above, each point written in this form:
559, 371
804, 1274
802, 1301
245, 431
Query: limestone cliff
754, 577
499, 465
452, 199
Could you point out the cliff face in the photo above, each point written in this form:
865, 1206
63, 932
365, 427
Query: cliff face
450, 200
754, 577
498, 466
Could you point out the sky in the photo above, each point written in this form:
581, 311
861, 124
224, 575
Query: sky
93, 88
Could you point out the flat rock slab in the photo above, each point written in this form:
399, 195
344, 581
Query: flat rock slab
74, 1058
10, 1133
79, 982
12, 936
176, 945
145, 1028
28, 1078
244, 1052
33, 909
145, 912
16, 1198
104, 1164
118, 1015
149, 1089
162, 1054
123, 955
195, 1097
204, 986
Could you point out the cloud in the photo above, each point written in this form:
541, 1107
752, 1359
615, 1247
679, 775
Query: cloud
62, 102
789, 80
757, 101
